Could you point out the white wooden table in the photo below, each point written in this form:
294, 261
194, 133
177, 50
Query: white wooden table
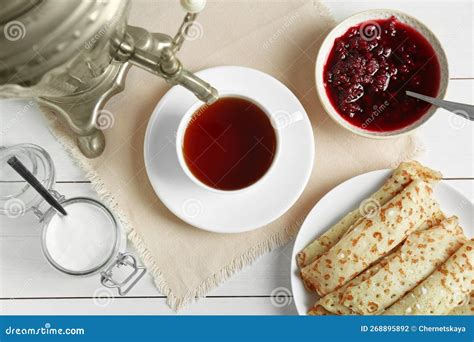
29, 286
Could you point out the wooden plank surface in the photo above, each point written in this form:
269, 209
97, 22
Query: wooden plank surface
148, 306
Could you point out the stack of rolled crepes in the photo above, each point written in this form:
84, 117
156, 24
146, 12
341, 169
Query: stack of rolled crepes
397, 254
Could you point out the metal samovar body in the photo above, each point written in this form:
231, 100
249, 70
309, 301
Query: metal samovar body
72, 56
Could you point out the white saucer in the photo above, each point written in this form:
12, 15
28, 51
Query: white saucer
260, 204
349, 195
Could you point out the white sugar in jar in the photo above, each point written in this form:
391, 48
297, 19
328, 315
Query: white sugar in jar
82, 241
88, 240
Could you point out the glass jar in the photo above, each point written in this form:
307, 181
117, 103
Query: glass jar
85, 242
16, 196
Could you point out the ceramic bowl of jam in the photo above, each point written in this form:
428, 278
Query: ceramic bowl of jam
367, 63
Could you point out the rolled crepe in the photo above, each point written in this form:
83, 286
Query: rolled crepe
404, 174
333, 301
420, 255
318, 310
466, 309
372, 238
445, 289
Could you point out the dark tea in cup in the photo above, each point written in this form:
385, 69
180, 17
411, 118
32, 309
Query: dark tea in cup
229, 144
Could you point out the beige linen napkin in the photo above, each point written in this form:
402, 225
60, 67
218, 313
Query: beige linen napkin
280, 38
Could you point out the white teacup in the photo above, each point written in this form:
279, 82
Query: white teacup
183, 125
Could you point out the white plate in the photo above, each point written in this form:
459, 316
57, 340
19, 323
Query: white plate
347, 196
260, 204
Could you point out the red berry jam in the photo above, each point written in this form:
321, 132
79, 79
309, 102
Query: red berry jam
372, 65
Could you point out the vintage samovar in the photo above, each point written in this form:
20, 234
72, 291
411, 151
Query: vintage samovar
73, 56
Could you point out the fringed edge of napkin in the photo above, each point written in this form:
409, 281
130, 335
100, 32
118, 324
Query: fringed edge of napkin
178, 303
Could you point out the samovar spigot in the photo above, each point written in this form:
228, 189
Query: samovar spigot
157, 53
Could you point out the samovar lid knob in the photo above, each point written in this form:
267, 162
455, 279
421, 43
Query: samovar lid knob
193, 6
